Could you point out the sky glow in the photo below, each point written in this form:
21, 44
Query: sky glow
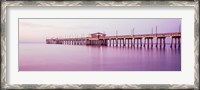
37, 30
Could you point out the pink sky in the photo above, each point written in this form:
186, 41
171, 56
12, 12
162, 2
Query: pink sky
37, 30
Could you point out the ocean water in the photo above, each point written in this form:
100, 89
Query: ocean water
57, 57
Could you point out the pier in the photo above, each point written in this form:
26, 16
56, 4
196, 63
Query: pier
139, 40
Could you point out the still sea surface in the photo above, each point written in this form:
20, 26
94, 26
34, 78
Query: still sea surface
57, 57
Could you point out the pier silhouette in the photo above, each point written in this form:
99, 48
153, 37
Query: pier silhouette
139, 40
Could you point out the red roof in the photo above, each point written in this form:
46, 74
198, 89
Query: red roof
98, 33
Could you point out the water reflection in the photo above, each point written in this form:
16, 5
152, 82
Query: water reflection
97, 58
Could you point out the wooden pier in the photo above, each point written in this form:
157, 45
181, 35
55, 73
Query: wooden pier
139, 40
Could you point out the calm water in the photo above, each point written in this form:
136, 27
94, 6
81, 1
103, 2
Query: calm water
52, 57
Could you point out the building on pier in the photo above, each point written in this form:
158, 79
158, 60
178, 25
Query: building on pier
97, 35
96, 39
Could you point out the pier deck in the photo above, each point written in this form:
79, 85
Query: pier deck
138, 40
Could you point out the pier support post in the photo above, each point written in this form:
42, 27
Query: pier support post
179, 42
152, 43
160, 42
144, 41
106, 42
120, 42
171, 42
156, 42
133, 42
113, 43
174, 42
74, 42
141, 42
83, 42
124, 42
148, 43
116, 42
164, 42
128, 43
78, 42
110, 42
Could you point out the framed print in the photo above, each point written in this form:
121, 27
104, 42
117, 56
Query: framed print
100, 45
